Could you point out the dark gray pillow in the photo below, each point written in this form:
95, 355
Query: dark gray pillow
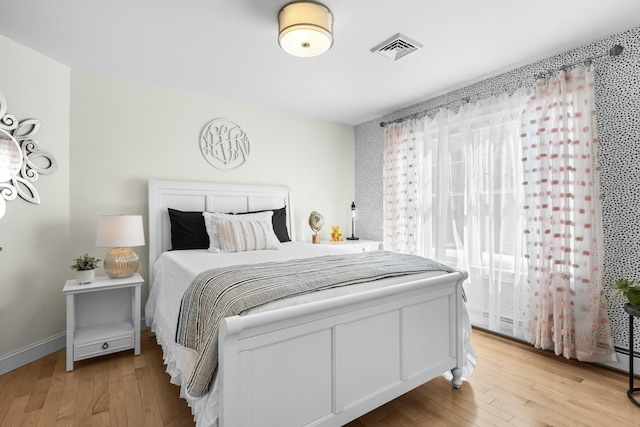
188, 230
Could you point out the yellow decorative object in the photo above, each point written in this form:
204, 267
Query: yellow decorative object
336, 235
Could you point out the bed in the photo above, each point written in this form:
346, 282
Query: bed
316, 359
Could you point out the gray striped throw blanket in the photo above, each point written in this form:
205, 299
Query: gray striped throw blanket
223, 292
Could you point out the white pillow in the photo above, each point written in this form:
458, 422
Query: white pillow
211, 220
240, 236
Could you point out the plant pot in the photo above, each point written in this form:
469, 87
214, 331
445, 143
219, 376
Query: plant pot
85, 276
633, 295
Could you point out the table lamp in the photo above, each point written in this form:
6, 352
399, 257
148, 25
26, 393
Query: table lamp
353, 222
120, 232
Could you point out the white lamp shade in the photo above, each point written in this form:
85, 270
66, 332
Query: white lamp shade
119, 231
305, 29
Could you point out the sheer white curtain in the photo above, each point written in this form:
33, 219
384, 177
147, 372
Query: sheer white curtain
472, 205
567, 312
453, 192
404, 201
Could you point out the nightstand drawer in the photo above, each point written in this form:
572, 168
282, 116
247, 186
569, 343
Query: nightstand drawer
97, 348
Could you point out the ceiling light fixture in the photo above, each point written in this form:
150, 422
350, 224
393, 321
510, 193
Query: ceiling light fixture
305, 29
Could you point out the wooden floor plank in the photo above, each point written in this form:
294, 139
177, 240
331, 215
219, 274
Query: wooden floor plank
31, 418
100, 402
66, 410
83, 401
117, 407
132, 400
513, 385
150, 409
24, 386
101, 419
8, 384
53, 399
15, 412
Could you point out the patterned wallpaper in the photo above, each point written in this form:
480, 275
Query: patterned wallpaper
618, 101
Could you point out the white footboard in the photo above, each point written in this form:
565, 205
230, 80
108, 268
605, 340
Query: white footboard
329, 362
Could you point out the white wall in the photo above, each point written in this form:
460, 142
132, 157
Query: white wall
110, 136
124, 133
35, 261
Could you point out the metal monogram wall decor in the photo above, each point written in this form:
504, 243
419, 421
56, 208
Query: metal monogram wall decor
224, 144
21, 160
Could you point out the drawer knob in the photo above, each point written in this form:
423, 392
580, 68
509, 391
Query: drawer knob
105, 346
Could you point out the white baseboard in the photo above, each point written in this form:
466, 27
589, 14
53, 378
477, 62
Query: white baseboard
623, 363
623, 354
26, 355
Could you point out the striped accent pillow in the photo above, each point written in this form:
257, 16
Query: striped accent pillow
241, 236
211, 220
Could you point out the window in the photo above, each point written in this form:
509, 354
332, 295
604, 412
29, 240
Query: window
471, 205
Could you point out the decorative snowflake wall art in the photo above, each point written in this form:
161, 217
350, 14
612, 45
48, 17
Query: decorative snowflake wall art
21, 159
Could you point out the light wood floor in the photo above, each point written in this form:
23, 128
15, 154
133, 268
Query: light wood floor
513, 385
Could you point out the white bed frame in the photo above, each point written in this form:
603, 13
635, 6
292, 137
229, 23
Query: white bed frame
323, 363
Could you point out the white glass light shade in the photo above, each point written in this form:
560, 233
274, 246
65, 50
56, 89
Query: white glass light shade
305, 29
120, 232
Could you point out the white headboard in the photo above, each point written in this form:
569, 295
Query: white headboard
211, 197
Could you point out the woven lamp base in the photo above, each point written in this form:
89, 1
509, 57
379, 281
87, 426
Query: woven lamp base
120, 262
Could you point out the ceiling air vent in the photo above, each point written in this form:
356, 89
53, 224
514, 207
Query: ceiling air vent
396, 47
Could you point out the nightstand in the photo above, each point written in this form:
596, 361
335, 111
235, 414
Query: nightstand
356, 245
102, 317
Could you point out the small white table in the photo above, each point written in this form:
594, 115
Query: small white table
632, 311
98, 322
356, 245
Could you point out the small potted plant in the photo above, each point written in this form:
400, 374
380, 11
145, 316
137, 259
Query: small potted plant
629, 289
85, 267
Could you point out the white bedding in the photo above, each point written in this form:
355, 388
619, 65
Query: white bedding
173, 273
